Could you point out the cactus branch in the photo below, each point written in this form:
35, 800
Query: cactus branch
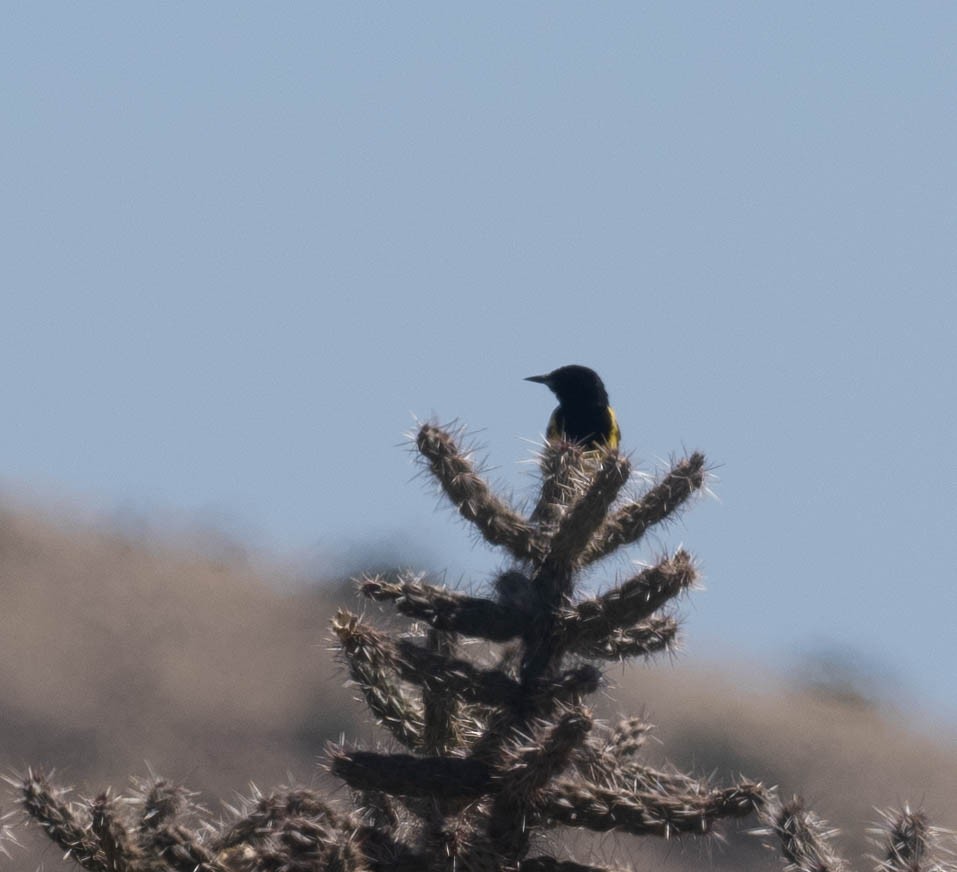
404, 775
578, 804
595, 620
374, 673
448, 610
804, 838
643, 640
61, 821
631, 522
495, 520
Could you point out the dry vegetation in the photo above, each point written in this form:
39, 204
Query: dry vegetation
120, 654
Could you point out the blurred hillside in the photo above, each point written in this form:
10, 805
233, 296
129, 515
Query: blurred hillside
120, 654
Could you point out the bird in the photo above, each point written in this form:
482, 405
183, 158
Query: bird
584, 414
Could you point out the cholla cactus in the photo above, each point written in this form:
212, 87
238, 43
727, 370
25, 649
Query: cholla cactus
501, 751
497, 750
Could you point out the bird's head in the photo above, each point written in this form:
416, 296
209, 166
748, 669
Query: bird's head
571, 383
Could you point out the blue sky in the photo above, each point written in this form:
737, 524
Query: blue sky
245, 244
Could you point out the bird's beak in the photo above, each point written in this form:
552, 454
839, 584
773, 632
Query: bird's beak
538, 379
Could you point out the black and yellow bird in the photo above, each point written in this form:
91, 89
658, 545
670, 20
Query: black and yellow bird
583, 414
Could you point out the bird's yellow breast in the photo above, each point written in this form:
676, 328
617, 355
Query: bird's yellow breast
609, 432
614, 431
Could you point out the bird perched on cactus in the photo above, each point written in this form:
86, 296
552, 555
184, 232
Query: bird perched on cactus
584, 414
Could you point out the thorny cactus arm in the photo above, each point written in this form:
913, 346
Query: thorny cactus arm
804, 838
595, 620
562, 482
182, 850
615, 764
375, 674
405, 775
265, 813
524, 772
433, 670
574, 803
629, 523
644, 639
499, 524
161, 802
296, 830
163, 835
120, 853
577, 528
910, 843
62, 821
528, 769
448, 610
441, 732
